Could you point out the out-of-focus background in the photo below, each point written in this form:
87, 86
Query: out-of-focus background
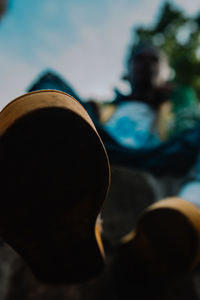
87, 42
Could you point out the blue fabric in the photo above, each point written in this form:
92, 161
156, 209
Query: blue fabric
133, 125
49, 80
174, 157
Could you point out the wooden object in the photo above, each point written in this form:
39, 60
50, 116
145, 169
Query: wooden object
167, 238
54, 178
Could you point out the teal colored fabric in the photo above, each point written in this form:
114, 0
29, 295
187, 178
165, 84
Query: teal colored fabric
174, 157
185, 110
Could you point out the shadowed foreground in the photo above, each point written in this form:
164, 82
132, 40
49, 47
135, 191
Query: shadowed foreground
118, 281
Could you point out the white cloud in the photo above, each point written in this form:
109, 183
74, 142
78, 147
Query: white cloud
86, 44
94, 65
191, 7
15, 76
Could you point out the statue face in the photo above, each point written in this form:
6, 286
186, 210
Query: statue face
146, 68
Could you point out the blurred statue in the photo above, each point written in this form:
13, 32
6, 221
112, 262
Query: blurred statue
155, 109
152, 140
3, 4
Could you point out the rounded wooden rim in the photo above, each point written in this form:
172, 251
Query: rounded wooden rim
30, 102
189, 211
25, 103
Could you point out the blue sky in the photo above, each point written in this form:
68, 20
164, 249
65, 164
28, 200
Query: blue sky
85, 41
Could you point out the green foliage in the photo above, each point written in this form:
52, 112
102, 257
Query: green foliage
179, 36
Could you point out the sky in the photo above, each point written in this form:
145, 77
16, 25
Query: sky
85, 41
